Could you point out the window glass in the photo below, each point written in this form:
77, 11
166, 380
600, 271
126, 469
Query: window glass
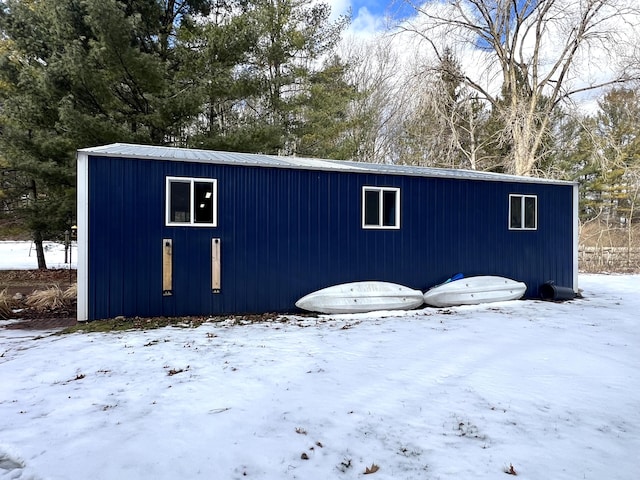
389, 208
203, 203
180, 202
516, 212
530, 212
371, 207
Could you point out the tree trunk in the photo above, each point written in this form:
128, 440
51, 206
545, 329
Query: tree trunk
37, 233
37, 239
523, 135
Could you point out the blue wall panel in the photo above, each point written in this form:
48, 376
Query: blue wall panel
285, 233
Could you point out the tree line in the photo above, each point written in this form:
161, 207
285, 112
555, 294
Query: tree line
282, 77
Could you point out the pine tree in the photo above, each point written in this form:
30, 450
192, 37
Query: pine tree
78, 73
323, 114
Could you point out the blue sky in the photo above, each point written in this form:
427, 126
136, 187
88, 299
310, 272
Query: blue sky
377, 7
396, 9
371, 14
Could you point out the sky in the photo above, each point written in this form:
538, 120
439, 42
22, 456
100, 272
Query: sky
548, 389
370, 16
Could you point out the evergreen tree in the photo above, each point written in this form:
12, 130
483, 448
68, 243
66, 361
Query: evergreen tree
294, 37
602, 152
31, 140
323, 120
617, 126
77, 73
266, 76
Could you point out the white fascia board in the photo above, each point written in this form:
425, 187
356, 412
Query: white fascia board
83, 235
576, 235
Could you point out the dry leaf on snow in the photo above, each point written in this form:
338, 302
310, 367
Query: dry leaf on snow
372, 469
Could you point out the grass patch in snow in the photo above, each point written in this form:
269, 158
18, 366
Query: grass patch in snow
122, 323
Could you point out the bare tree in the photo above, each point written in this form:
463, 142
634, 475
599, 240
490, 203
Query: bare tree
447, 123
381, 100
530, 53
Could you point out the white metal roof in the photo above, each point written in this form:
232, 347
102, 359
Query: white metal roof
259, 160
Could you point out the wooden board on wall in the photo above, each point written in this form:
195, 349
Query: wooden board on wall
215, 265
167, 266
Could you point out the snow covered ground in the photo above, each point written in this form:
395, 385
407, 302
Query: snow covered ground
15, 255
552, 389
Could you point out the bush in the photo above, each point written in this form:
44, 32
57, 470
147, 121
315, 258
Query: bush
53, 298
6, 305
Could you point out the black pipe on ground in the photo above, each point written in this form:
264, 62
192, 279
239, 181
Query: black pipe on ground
551, 291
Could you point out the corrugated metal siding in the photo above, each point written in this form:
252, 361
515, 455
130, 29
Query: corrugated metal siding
287, 232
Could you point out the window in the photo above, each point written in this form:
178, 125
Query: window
380, 207
191, 201
523, 212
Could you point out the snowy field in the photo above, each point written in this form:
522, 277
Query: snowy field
551, 389
22, 255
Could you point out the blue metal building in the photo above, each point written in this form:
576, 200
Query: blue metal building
169, 232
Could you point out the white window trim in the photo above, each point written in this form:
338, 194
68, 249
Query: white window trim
192, 222
380, 225
522, 209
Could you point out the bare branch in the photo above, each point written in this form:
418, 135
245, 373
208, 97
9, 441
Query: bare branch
536, 46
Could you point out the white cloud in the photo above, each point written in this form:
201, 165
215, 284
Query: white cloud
365, 24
